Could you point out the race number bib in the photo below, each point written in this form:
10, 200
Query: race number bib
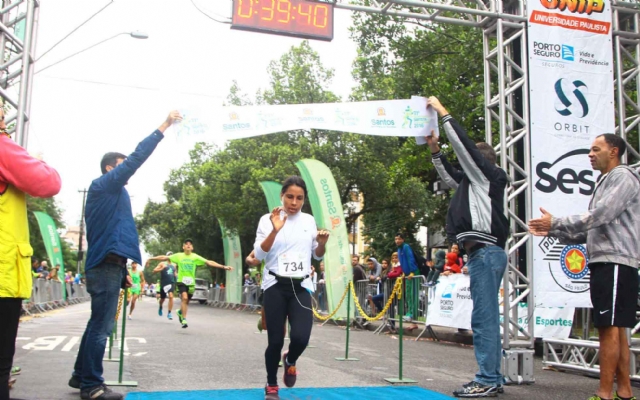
187, 280
167, 288
292, 265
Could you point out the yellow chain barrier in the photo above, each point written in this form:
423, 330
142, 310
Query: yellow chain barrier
397, 290
120, 303
321, 318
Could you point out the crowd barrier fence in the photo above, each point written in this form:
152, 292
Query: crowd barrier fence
47, 295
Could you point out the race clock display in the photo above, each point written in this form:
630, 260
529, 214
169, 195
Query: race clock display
299, 18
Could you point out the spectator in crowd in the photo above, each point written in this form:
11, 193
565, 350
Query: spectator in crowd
78, 278
313, 276
67, 277
378, 298
43, 266
53, 275
44, 271
373, 269
456, 249
438, 268
409, 268
358, 269
451, 265
248, 281
20, 175
396, 272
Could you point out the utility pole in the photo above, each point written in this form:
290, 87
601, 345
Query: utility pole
80, 254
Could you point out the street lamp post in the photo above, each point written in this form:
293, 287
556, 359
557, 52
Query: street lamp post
134, 34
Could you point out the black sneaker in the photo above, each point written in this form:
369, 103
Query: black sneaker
101, 392
476, 389
74, 382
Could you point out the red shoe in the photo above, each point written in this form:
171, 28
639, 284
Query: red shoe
289, 372
271, 393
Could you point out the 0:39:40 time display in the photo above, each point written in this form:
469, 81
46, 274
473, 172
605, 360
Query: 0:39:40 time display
283, 11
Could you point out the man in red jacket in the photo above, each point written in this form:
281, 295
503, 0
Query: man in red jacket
20, 174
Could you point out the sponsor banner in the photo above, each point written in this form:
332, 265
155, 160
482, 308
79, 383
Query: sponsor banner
232, 258
548, 322
450, 305
450, 302
51, 240
324, 198
571, 102
382, 118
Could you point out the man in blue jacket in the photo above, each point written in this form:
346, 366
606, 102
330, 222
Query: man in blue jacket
409, 268
476, 220
113, 238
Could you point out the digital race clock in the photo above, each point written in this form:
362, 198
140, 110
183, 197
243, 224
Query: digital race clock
299, 18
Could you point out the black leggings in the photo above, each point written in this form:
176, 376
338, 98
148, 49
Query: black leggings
280, 303
10, 316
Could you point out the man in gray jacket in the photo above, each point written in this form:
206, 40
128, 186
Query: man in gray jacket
611, 229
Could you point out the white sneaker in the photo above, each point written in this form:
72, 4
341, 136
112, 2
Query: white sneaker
129, 317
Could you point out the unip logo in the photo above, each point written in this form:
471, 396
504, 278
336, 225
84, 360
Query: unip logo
448, 291
335, 222
236, 254
567, 53
307, 111
233, 116
571, 98
381, 112
575, 6
574, 261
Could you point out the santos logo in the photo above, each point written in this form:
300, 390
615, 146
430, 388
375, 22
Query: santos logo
571, 98
567, 179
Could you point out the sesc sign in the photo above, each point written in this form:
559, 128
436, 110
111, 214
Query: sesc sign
567, 180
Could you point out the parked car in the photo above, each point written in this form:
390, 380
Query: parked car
201, 293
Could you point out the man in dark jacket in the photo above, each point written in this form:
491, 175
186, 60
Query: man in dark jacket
113, 238
358, 269
476, 217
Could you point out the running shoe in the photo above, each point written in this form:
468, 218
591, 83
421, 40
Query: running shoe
271, 393
290, 372
169, 315
475, 389
15, 370
500, 388
160, 311
101, 392
617, 397
180, 319
74, 382
184, 323
129, 317
596, 397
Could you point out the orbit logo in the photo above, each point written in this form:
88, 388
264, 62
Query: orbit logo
571, 98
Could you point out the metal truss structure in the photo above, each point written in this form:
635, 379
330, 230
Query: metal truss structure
506, 80
18, 25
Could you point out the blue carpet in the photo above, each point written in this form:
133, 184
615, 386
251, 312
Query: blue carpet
360, 393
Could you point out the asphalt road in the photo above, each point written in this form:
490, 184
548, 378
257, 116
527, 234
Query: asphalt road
221, 350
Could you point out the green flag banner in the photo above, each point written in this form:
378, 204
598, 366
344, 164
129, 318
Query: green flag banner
327, 210
51, 241
272, 193
232, 258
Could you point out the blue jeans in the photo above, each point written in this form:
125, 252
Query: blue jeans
486, 269
103, 284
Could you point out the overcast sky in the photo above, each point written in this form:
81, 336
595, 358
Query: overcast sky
112, 96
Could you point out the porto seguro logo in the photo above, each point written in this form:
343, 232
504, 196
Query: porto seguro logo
571, 98
446, 301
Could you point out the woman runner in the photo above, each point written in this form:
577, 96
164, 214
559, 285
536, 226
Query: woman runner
287, 239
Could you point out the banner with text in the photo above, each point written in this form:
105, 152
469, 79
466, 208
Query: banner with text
571, 102
450, 305
324, 198
382, 118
